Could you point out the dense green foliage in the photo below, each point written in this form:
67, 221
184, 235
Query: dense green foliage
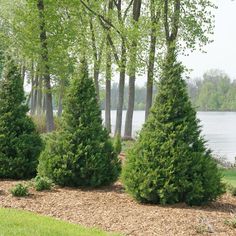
117, 144
81, 154
22, 223
41, 183
232, 190
170, 163
20, 144
20, 190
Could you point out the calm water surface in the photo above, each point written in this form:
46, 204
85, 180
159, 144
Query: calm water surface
219, 129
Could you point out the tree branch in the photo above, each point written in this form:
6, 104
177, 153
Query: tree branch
101, 17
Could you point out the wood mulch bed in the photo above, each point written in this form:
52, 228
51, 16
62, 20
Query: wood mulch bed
111, 209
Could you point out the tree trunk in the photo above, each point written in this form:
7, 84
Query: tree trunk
130, 110
108, 75
46, 71
108, 91
44, 103
131, 97
120, 104
40, 97
23, 70
32, 100
61, 93
96, 81
151, 62
35, 93
155, 16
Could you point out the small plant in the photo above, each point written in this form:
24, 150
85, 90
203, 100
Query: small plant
201, 229
40, 123
20, 190
117, 144
231, 189
204, 227
42, 183
231, 223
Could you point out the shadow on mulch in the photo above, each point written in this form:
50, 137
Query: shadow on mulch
118, 188
211, 207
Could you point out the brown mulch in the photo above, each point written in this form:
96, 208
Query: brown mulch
111, 209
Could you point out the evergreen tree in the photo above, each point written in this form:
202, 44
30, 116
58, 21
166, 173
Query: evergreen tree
170, 163
81, 154
20, 144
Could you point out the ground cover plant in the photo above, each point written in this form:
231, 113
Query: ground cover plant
20, 190
42, 183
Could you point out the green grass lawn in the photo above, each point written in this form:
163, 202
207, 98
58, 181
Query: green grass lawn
230, 176
22, 223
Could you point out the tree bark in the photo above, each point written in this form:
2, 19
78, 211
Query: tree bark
120, 104
46, 70
132, 77
96, 67
130, 110
151, 60
40, 96
108, 90
23, 70
44, 103
32, 97
61, 93
108, 75
35, 93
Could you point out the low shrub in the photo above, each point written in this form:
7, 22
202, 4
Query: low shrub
169, 162
20, 190
117, 144
40, 123
20, 143
127, 145
231, 189
231, 223
42, 183
81, 153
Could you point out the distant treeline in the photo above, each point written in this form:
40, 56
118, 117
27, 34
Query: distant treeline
214, 92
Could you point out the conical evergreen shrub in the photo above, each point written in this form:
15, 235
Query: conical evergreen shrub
81, 154
20, 144
170, 163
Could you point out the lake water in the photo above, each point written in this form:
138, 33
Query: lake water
219, 129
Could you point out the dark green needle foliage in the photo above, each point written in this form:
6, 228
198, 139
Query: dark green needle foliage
170, 163
81, 154
20, 144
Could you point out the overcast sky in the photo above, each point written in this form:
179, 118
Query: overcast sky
221, 54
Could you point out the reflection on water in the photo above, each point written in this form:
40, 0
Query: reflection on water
219, 129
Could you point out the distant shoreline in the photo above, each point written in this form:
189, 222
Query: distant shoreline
197, 111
